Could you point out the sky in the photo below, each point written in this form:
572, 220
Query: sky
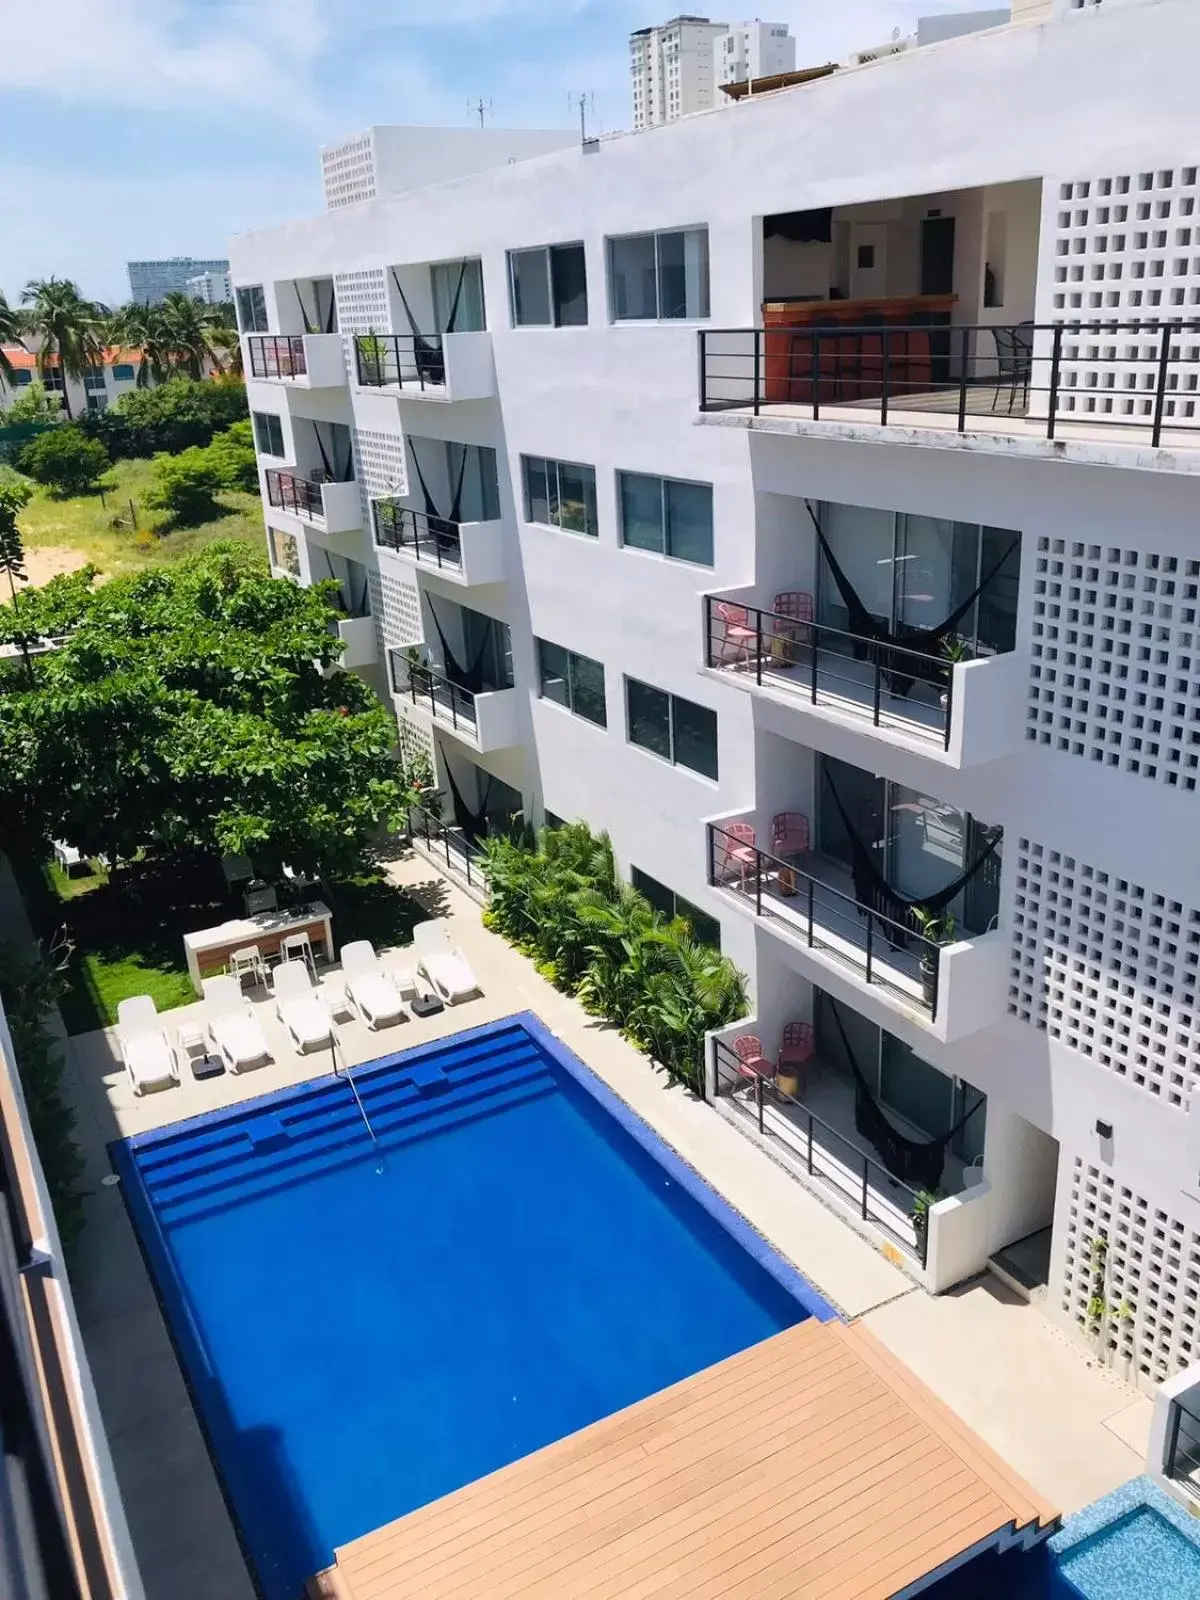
145, 128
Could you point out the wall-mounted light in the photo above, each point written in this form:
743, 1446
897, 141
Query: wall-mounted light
1104, 1129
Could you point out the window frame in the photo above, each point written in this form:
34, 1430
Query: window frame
672, 755
658, 234
124, 372
572, 657
547, 252
680, 906
546, 462
251, 326
665, 553
270, 417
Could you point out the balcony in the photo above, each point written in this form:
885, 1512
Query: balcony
1084, 388
334, 507
461, 552
427, 366
300, 360
952, 989
960, 712
359, 640
484, 720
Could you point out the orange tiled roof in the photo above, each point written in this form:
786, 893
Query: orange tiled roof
26, 360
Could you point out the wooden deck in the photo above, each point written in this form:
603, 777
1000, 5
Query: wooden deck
813, 1464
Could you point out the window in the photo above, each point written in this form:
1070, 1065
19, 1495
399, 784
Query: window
548, 286
574, 681
23, 378
705, 929
97, 402
676, 729
561, 494
268, 433
52, 380
124, 372
252, 310
93, 380
285, 551
667, 516
657, 276
458, 297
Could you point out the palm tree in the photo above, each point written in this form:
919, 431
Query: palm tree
191, 326
67, 327
140, 326
12, 325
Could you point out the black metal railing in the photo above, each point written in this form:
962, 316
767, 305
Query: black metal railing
460, 854
861, 1180
1143, 375
400, 360
434, 540
819, 662
277, 355
1181, 1463
291, 491
429, 687
828, 920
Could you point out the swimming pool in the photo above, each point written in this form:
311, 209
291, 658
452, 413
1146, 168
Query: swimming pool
364, 1332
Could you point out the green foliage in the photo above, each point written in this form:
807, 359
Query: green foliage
71, 331
108, 427
232, 453
34, 404
186, 486
561, 902
65, 460
191, 710
47, 612
182, 413
29, 986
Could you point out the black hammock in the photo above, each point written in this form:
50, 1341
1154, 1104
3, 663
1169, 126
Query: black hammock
918, 1162
469, 677
473, 823
875, 893
429, 354
431, 506
900, 670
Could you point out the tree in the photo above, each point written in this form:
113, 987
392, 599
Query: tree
200, 708
65, 460
70, 330
181, 413
14, 494
186, 486
34, 404
232, 453
178, 335
12, 326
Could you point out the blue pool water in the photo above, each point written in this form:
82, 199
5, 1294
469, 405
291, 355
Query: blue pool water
360, 1341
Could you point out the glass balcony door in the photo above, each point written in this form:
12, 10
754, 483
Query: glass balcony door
458, 295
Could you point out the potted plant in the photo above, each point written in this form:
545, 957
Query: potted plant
954, 649
919, 1215
936, 929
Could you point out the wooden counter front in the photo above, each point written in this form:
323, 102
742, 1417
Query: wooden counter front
848, 366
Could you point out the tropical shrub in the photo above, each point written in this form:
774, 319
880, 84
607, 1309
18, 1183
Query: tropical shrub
34, 404
186, 486
182, 413
65, 461
561, 902
232, 453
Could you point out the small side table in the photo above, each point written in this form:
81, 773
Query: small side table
335, 997
189, 1036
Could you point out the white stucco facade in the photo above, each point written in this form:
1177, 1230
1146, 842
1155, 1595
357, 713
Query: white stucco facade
1075, 1008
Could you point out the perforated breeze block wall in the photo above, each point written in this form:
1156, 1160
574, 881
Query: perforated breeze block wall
1115, 659
1148, 1280
380, 467
362, 301
348, 172
1127, 248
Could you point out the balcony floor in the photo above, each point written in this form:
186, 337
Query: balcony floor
848, 688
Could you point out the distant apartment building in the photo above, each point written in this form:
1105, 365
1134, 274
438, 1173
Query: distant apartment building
212, 287
750, 50
672, 69
96, 390
149, 281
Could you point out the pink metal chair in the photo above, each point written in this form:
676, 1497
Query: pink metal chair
796, 1049
790, 834
738, 632
752, 1064
740, 848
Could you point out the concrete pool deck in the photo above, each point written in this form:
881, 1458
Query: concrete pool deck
1073, 1430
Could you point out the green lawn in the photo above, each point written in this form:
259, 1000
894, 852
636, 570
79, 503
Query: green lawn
85, 523
128, 935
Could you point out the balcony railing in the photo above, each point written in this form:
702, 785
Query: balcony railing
290, 491
1031, 378
830, 666
447, 844
277, 355
433, 540
431, 689
892, 956
400, 360
825, 1153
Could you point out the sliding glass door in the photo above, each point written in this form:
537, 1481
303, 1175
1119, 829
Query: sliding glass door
458, 296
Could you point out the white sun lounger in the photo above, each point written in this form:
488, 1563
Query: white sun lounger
370, 991
444, 966
233, 1029
145, 1048
299, 1007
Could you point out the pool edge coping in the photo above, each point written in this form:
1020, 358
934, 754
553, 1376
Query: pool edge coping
1140, 1493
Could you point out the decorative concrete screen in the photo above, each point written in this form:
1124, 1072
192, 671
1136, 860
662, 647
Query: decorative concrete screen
348, 172
1151, 1273
380, 466
1107, 967
1115, 668
415, 740
1127, 248
362, 301
396, 607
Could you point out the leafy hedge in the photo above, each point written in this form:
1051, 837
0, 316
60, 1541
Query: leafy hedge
29, 986
172, 417
561, 903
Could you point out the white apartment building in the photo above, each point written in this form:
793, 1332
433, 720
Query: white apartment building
749, 50
823, 526
99, 386
673, 69
213, 288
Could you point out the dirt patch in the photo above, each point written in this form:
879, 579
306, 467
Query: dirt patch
49, 561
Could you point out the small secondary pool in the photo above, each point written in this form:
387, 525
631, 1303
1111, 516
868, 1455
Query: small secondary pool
364, 1332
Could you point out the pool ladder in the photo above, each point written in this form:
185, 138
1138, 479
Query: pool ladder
344, 1072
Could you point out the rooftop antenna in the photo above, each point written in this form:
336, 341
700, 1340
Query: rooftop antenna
481, 109
583, 103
